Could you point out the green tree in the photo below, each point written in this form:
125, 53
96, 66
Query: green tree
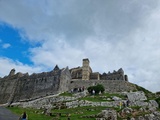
98, 88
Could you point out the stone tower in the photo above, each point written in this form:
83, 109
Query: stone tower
86, 70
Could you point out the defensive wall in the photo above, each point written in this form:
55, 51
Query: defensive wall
109, 85
14, 88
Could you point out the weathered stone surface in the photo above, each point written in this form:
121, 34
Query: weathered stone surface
23, 87
116, 98
127, 110
107, 115
17, 87
139, 103
110, 85
153, 103
136, 96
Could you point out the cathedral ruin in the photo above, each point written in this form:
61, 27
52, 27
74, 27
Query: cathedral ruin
85, 73
22, 86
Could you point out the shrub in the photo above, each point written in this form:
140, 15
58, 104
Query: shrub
98, 88
158, 101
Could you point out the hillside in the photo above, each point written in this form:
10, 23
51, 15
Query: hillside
143, 105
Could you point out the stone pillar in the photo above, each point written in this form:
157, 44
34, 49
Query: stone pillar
86, 70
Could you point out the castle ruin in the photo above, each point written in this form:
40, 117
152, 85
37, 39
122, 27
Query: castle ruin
21, 87
85, 73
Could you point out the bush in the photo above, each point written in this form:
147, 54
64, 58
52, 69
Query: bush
98, 88
158, 101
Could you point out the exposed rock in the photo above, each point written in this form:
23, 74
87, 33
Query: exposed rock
153, 103
141, 118
132, 118
115, 98
108, 99
127, 110
107, 115
136, 96
157, 113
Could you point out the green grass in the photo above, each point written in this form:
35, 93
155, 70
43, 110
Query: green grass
95, 98
158, 101
32, 113
110, 95
77, 113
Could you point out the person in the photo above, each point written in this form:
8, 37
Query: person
120, 104
124, 104
93, 92
24, 116
127, 102
68, 118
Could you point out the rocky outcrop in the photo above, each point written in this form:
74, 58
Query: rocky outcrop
136, 96
108, 114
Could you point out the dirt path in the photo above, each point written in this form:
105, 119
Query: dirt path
6, 114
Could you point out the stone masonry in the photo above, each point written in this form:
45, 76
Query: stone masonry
22, 87
15, 88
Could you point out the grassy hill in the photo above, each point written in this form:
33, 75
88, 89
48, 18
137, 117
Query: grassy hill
84, 112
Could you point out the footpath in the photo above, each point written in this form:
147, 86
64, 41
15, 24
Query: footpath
6, 114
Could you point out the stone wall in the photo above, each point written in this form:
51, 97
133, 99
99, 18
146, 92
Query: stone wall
14, 88
115, 75
110, 85
64, 80
6, 88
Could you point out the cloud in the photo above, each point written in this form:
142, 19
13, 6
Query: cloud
110, 33
8, 64
6, 45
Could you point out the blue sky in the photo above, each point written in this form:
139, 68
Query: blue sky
108, 32
13, 47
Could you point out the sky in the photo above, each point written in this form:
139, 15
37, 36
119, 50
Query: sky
36, 35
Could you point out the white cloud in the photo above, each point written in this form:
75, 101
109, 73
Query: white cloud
110, 33
8, 64
6, 45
